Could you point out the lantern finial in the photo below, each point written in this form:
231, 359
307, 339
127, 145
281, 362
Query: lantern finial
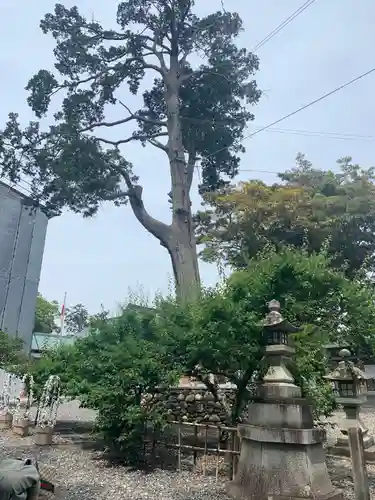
345, 353
274, 316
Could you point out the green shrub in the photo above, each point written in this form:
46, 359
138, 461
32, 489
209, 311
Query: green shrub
12, 355
110, 371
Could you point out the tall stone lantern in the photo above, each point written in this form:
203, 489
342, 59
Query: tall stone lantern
282, 454
350, 385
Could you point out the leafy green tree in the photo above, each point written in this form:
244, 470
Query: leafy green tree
46, 313
77, 318
223, 334
198, 110
11, 353
96, 320
110, 371
307, 208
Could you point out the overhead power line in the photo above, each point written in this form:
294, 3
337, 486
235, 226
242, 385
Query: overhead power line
275, 122
305, 133
326, 135
282, 25
302, 108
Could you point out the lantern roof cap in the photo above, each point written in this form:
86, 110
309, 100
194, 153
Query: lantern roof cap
275, 321
346, 370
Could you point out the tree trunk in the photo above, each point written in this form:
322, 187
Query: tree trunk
181, 245
178, 237
183, 253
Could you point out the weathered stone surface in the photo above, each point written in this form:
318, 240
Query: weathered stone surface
282, 455
194, 404
6, 420
43, 436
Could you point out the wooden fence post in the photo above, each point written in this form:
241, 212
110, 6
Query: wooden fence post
360, 479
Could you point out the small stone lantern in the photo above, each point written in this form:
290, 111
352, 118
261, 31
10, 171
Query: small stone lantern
278, 381
350, 387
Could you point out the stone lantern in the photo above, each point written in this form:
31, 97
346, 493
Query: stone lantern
282, 455
350, 385
278, 381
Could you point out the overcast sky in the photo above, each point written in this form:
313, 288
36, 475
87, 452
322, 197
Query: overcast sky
96, 261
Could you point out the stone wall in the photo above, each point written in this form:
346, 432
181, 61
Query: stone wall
194, 403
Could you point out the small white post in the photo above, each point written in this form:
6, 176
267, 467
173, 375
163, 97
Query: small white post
62, 318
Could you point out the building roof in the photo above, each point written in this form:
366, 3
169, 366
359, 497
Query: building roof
136, 307
43, 341
335, 345
27, 200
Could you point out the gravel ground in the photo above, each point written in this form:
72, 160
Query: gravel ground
81, 473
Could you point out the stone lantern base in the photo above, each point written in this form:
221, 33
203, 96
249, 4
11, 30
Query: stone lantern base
341, 448
6, 420
21, 427
282, 455
353, 419
43, 436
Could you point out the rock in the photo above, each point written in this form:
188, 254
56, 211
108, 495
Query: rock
198, 397
181, 397
214, 418
190, 398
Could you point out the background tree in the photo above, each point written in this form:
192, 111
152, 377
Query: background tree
99, 319
46, 313
306, 208
223, 334
77, 318
198, 110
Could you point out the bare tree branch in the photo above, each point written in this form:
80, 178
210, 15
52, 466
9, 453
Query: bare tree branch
159, 145
122, 121
135, 137
160, 230
159, 54
165, 48
143, 119
117, 195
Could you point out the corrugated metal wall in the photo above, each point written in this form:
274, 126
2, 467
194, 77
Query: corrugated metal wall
22, 238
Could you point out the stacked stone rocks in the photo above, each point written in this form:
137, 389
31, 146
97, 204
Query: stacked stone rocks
194, 404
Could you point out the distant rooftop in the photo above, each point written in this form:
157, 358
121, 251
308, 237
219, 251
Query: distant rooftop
46, 341
136, 307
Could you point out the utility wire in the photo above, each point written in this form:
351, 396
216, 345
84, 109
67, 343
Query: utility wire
270, 125
282, 25
305, 133
327, 135
302, 108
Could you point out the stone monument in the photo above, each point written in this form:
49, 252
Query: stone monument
351, 387
282, 456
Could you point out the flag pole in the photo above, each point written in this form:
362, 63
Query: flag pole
62, 318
